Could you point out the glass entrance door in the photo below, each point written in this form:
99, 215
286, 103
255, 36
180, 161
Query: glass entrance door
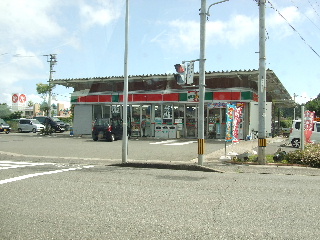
146, 121
216, 123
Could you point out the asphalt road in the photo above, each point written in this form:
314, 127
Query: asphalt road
74, 201
63, 187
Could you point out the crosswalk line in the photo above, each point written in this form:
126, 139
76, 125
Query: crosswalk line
173, 143
10, 164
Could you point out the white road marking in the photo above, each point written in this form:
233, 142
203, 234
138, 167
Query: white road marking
164, 142
173, 143
26, 164
10, 164
180, 143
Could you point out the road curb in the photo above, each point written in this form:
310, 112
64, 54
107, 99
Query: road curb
167, 166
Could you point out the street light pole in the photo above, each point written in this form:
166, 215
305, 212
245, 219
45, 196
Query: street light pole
202, 77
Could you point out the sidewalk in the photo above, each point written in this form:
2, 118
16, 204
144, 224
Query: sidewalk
251, 146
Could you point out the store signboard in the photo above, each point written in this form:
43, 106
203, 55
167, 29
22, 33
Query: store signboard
193, 96
217, 105
19, 101
308, 125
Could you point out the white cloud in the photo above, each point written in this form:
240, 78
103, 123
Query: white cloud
304, 97
101, 12
28, 27
31, 28
186, 34
28, 20
237, 31
279, 25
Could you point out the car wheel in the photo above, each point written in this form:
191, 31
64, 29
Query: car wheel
295, 142
19, 130
95, 138
112, 138
34, 130
7, 132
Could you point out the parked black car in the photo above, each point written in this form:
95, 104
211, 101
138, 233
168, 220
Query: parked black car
107, 129
54, 123
4, 127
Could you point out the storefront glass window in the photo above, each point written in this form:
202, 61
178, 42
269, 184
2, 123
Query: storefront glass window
106, 111
135, 121
97, 111
191, 121
157, 111
179, 118
116, 111
167, 114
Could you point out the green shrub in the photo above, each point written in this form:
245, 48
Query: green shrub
310, 156
286, 123
13, 124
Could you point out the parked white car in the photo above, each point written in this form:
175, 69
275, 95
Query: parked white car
295, 133
29, 125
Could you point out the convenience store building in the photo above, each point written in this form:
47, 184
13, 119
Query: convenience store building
159, 107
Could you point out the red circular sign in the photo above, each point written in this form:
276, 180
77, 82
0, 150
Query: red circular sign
15, 98
22, 98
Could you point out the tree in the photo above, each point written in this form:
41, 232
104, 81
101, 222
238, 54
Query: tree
30, 104
314, 105
4, 111
15, 115
44, 107
44, 90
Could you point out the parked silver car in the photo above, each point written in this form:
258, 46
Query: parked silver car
30, 125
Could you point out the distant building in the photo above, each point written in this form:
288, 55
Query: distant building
19, 104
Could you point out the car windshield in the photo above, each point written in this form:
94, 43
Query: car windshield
3, 122
102, 122
35, 121
56, 119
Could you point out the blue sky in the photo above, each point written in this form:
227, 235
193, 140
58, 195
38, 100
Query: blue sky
88, 38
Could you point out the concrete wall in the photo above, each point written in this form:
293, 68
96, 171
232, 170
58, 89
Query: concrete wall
254, 117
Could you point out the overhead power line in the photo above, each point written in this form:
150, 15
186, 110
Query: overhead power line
305, 15
313, 8
294, 29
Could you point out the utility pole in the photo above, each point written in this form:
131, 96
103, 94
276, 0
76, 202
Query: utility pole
52, 61
202, 77
125, 90
302, 128
262, 141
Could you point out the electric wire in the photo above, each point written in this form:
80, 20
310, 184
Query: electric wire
305, 15
302, 38
313, 8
